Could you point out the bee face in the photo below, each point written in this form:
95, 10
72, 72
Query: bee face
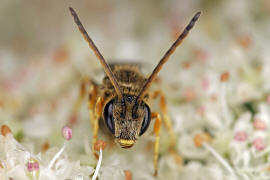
127, 119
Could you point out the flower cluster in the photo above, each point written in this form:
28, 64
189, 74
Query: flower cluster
216, 86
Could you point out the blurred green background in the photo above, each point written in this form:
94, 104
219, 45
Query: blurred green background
34, 26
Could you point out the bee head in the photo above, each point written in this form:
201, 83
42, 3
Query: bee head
127, 119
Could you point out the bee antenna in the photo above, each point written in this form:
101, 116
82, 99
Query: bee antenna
169, 52
92, 45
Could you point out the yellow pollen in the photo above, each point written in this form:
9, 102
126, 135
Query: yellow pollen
199, 139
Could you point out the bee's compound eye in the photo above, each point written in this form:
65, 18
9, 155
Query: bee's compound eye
108, 116
146, 120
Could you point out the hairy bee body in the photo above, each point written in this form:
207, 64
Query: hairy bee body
129, 77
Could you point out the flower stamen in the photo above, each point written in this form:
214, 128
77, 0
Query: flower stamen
67, 134
98, 165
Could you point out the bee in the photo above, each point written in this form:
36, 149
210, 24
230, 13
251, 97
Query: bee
123, 100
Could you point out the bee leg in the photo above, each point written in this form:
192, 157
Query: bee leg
97, 115
156, 146
79, 100
166, 117
92, 98
168, 124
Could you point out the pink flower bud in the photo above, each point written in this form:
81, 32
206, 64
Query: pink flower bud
30, 166
36, 166
259, 144
205, 83
67, 133
259, 124
268, 99
240, 136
